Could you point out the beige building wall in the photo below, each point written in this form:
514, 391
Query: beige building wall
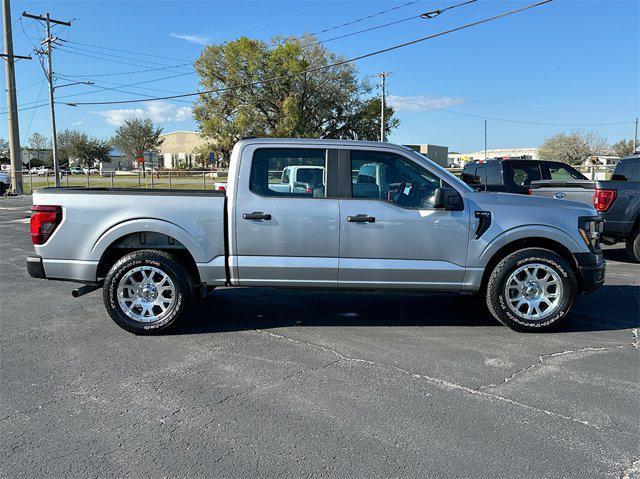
178, 148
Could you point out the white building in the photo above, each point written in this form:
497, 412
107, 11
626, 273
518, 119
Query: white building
459, 159
178, 150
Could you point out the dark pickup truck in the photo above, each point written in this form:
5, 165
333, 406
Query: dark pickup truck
617, 201
514, 175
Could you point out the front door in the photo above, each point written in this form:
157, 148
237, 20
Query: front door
390, 234
286, 236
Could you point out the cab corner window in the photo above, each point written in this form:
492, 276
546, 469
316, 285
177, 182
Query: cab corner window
390, 177
289, 172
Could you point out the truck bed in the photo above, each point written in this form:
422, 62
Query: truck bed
96, 219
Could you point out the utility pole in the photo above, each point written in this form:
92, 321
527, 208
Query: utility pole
49, 41
12, 101
383, 97
485, 139
635, 137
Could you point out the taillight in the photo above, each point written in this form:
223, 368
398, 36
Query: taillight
529, 191
603, 199
44, 220
221, 188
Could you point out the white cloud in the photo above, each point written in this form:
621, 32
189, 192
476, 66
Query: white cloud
77, 123
199, 39
421, 102
158, 111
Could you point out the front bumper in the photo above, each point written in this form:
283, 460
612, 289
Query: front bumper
35, 268
592, 268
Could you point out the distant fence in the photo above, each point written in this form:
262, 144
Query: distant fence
163, 179
191, 179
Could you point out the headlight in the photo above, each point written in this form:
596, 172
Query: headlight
590, 228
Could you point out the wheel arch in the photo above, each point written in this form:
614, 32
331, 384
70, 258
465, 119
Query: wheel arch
530, 242
127, 242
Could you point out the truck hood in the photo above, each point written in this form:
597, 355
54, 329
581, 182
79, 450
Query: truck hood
531, 207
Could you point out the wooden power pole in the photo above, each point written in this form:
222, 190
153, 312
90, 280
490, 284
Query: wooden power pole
12, 101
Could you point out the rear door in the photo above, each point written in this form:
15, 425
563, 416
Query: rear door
390, 234
285, 237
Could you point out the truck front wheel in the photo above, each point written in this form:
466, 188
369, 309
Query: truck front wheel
147, 291
532, 289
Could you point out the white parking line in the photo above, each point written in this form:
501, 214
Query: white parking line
10, 222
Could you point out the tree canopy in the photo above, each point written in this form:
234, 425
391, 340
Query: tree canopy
622, 148
136, 136
265, 93
573, 148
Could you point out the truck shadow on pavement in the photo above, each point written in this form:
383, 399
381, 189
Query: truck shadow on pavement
618, 254
239, 309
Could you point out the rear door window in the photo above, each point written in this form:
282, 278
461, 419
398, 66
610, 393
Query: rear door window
522, 174
270, 167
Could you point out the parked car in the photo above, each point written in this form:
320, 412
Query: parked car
33, 170
5, 183
90, 171
74, 170
299, 178
44, 171
385, 217
617, 200
515, 175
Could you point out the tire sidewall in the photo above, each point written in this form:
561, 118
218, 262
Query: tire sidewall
135, 260
496, 292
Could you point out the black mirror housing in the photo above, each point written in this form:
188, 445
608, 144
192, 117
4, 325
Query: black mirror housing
447, 198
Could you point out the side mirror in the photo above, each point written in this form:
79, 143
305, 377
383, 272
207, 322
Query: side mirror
448, 199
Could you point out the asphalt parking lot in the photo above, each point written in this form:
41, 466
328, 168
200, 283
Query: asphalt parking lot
284, 383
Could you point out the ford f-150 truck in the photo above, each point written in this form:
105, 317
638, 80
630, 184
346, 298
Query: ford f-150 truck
382, 217
617, 201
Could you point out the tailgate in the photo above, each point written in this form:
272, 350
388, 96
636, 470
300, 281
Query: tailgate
572, 190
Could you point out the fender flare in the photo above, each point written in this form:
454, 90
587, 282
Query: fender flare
529, 232
147, 225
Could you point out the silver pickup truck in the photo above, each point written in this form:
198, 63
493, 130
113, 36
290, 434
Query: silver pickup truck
382, 217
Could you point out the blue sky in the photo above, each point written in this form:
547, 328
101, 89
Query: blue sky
567, 62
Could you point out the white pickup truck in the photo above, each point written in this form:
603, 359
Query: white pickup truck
373, 216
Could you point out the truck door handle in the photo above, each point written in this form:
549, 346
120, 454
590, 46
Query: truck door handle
361, 219
257, 215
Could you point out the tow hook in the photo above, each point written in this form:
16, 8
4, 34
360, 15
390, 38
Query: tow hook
82, 290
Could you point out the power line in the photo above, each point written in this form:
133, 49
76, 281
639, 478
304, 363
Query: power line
33, 113
76, 49
127, 51
367, 17
427, 15
331, 65
523, 122
167, 67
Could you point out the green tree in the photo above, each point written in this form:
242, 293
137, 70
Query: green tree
4, 150
574, 147
66, 140
137, 136
622, 148
38, 141
89, 151
265, 93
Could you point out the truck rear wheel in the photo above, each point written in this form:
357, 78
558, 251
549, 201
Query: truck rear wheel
633, 245
147, 291
532, 289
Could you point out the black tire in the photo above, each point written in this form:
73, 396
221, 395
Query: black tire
547, 262
3, 189
181, 292
633, 245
